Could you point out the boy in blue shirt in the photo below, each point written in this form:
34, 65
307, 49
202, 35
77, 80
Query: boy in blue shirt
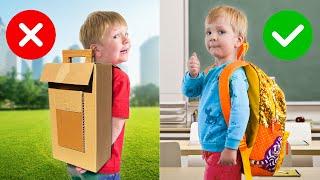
225, 31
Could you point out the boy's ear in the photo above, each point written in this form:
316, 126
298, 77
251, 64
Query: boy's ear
240, 40
96, 50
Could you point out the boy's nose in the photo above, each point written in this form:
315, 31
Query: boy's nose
125, 40
213, 38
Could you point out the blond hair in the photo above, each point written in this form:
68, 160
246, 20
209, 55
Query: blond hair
96, 24
237, 18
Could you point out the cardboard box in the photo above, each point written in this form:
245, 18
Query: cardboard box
80, 101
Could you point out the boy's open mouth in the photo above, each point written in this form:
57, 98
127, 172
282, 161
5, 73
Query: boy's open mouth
125, 51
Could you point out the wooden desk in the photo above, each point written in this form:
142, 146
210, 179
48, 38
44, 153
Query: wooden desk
195, 173
315, 129
312, 149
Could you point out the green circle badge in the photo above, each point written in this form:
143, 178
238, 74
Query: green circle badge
287, 35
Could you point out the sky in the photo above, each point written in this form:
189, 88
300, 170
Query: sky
142, 16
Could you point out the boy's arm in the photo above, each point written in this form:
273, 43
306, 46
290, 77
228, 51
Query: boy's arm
120, 102
192, 87
239, 113
117, 126
193, 79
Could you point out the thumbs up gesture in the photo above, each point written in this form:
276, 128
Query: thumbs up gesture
194, 65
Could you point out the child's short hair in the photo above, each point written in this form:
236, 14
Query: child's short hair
237, 18
96, 24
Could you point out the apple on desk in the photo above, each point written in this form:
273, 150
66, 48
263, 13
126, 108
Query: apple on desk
300, 119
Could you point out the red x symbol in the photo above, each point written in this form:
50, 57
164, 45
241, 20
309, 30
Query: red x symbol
30, 34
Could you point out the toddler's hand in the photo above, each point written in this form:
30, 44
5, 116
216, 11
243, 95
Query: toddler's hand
194, 65
80, 170
228, 157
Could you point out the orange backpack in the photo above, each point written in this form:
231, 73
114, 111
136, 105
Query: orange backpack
263, 145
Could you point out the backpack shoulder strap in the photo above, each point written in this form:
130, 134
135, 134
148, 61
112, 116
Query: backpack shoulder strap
224, 80
242, 50
225, 101
224, 91
226, 107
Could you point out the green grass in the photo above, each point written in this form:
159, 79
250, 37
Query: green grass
25, 148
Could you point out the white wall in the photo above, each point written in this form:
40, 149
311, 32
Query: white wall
173, 48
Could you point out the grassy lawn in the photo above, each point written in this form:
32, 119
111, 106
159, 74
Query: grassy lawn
25, 148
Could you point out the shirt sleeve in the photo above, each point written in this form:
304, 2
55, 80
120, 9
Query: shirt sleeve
240, 111
192, 87
120, 96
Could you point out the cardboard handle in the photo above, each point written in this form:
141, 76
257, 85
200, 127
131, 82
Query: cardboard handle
67, 55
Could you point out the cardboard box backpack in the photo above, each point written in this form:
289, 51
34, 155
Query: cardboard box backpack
80, 101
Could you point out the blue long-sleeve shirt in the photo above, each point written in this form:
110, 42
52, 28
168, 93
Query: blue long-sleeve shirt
214, 134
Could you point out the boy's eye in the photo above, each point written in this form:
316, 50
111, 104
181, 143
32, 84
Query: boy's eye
116, 36
126, 34
221, 32
208, 33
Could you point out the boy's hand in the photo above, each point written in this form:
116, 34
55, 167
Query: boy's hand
228, 157
80, 170
194, 65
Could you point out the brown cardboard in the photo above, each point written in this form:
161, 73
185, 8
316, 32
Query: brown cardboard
70, 130
80, 97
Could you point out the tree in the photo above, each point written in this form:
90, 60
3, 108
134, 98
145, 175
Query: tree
27, 91
42, 98
3, 80
145, 95
10, 87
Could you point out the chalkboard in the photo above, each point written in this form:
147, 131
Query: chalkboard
299, 79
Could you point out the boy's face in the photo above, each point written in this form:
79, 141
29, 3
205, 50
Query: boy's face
114, 46
220, 39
